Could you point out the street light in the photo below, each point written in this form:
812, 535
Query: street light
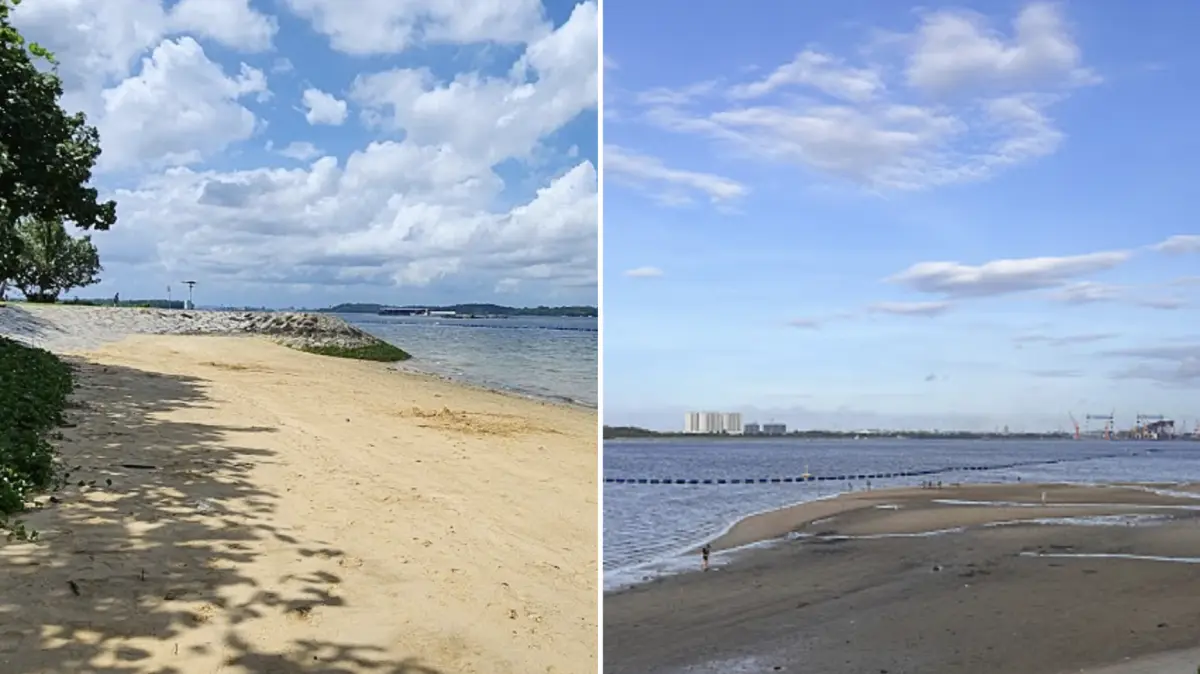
190, 285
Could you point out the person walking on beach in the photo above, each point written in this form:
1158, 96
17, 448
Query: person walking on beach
704, 552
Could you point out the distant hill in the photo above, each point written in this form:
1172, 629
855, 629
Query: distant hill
474, 310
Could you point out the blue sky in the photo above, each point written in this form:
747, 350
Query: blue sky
866, 214
308, 152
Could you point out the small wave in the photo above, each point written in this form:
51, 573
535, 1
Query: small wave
1114, 555
1051, 504
1095, 521
678, 560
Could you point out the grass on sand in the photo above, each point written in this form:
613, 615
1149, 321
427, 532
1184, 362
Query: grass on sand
34, 386
380, 351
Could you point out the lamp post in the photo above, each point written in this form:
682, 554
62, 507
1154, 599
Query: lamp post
190, 285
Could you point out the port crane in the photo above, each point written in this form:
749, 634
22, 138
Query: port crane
1075, 424
1108, 422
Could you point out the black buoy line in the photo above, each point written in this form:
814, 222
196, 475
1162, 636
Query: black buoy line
849, 477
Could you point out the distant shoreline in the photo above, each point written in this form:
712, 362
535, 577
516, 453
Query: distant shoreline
636, 433
461, 310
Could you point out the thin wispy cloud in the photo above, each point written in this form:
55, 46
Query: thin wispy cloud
644, 272
650, 174
902, 213
910, 308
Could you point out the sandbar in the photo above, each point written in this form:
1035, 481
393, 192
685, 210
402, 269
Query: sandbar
975, 578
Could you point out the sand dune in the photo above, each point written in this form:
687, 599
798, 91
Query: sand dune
236, 507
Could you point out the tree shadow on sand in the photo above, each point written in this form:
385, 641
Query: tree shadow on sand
140, 565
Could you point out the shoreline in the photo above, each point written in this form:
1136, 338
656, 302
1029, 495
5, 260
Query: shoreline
77, 329
776, 526
234, 504
980, 578
407, 369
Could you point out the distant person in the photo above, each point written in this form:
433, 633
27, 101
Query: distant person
117, 300
704, 552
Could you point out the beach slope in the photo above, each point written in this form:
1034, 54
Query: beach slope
237, 506
985, 579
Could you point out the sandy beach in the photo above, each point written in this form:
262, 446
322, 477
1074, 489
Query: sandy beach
983, 579
237, 506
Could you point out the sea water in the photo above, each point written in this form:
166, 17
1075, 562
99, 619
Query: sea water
549, 358
648, 528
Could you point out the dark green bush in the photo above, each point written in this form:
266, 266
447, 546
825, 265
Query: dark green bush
381, 351
34, 386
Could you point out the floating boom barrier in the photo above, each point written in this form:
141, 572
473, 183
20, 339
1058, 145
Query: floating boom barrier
849, 477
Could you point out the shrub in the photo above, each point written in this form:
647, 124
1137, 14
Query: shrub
34, 386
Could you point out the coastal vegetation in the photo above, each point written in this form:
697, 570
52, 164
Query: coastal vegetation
382, 352
46, 157
46, 161
51, 261
34, 386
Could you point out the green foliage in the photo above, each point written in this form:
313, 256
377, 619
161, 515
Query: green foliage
34, 386
52, 261
381, 351
46, 155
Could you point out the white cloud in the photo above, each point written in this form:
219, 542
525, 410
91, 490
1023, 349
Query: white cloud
806, 323
95, 42
406, 212
910, 308
1172, 365
639, 169
301, 150
386, 27
644, 272
1063, 340
851, 123
1163, 303
1087, 292
1182, 243
390, 214
956, 49
233, 23
822, 72
323, 108
494, 118
181, 108
1000, 277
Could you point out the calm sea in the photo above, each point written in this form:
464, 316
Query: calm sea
550, 358
647, 527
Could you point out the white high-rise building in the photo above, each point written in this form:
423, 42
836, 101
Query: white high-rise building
710, 422
713, 423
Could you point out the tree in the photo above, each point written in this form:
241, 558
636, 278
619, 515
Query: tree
46, 155
52, 261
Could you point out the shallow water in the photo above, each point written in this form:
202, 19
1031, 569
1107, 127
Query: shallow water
647, 527
551, 358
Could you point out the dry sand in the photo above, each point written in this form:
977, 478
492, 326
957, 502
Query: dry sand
250, 508
986, 600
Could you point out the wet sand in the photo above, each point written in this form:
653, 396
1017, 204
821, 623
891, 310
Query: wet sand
236, 506
981, 599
